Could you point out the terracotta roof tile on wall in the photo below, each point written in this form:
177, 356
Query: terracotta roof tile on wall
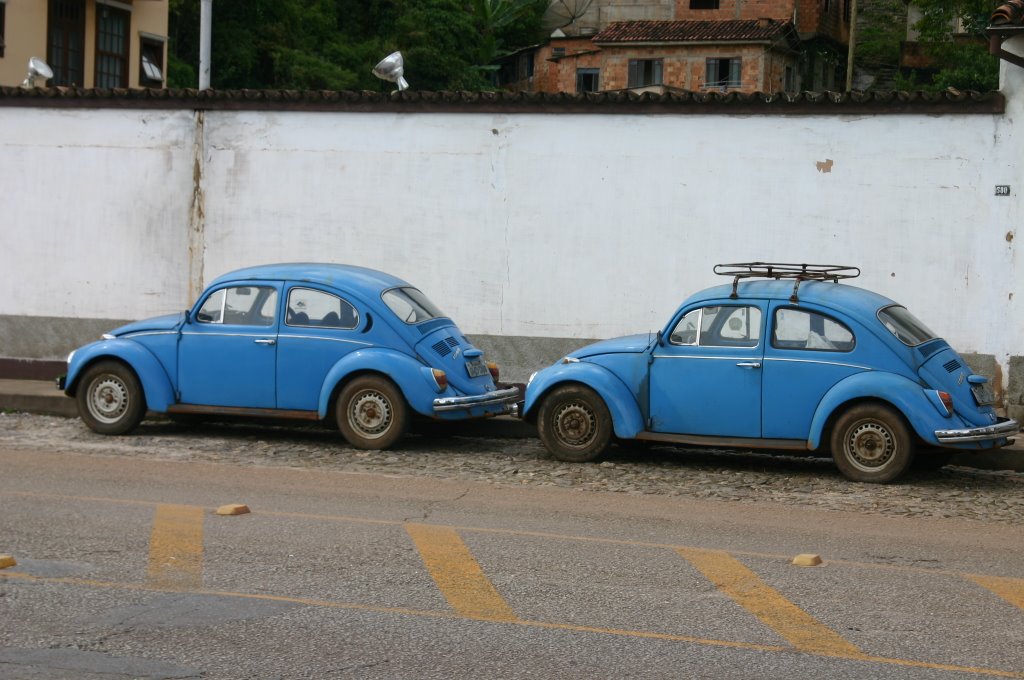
420, 101
1010, 13
686, 31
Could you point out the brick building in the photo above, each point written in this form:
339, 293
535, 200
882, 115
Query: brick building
723, 45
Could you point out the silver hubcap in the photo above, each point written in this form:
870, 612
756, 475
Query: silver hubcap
575, 424
108, 399
369, 414
870, 446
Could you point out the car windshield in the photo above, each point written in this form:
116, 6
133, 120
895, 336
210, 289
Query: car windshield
905, 325
410, 305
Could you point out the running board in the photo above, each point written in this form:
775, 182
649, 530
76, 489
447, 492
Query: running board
240, 411
730, 442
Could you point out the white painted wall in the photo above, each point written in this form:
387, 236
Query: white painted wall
573, 226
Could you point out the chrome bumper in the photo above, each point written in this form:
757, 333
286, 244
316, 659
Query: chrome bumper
1007, 428
509, 397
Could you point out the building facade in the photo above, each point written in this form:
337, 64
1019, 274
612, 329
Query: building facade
86, 43
748, 46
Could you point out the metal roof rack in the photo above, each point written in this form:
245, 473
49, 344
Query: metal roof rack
784, 270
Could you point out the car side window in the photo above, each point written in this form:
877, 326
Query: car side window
314, 308
719, 326
240, 305
806, 330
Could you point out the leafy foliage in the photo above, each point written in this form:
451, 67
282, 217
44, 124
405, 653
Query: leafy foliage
334, 44
961, 60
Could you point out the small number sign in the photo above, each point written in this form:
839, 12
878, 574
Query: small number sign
1002, 190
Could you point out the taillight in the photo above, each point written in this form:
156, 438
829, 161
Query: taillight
441, 378
493, 368
946, 400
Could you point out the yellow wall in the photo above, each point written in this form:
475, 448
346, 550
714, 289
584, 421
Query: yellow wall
25, 35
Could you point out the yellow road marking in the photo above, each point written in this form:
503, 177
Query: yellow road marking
458, 574
795, 625
1010, 589
176, 547
640, 634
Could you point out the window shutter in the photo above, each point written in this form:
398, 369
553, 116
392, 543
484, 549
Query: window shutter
634, 77
711, 74
656, 75
734, 72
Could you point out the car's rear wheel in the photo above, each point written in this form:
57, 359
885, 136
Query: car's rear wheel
372, 413
872, 443
574, 424
110, 398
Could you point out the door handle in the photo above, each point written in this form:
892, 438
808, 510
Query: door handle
265, 341
749, 364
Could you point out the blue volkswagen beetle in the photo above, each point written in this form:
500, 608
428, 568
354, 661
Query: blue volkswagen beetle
784, 358
301, 341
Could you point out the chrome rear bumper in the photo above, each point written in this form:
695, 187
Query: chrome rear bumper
509, 397
1006, 428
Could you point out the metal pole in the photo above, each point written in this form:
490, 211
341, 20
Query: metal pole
205, 30
853, 41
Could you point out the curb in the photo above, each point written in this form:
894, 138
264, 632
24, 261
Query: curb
43, 398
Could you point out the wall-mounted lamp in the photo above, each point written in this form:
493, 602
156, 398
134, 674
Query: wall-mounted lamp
391, 68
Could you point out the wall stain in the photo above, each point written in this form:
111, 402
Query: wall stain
824, 167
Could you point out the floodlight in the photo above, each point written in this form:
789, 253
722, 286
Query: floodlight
391, 68
37, 68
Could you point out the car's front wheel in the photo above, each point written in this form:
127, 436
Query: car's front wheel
371, 413
110, 398
872, 443
574, 424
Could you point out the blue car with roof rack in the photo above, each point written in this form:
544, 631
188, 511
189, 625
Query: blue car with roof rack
784, 358
315, 342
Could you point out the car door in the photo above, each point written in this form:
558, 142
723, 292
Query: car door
227, 355
320, 327
705, 377
808, 351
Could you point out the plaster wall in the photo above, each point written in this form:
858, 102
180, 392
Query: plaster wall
521, 226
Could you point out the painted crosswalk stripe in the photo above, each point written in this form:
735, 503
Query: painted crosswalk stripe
746, 588
458, 574
176, 547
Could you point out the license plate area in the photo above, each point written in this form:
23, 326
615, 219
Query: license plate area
476, 368
983, 394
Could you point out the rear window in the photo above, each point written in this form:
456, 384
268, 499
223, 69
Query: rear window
410, 305
905, 326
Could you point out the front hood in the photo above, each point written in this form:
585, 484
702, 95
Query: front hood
167, 322
627, 344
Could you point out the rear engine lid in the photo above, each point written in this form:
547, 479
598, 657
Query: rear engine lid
448, 349
972, 396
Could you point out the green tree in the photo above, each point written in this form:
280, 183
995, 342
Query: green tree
334, 44
961, 60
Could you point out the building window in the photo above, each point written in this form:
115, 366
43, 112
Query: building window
65, 50
587, 79
644, 72
3, 7
789, 82
703, 4
112, 46
723, 73
557, 52
151, 66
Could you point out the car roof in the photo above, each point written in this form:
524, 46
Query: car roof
327, 274
839, 296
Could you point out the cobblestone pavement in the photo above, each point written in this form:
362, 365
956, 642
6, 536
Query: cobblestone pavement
739, 477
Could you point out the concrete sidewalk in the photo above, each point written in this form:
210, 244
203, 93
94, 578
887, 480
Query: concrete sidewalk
43, 397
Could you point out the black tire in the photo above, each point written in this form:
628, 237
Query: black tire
574, 424
110, 399
371, 413
872, 443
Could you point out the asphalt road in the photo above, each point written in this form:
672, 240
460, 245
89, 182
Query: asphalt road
124, 570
